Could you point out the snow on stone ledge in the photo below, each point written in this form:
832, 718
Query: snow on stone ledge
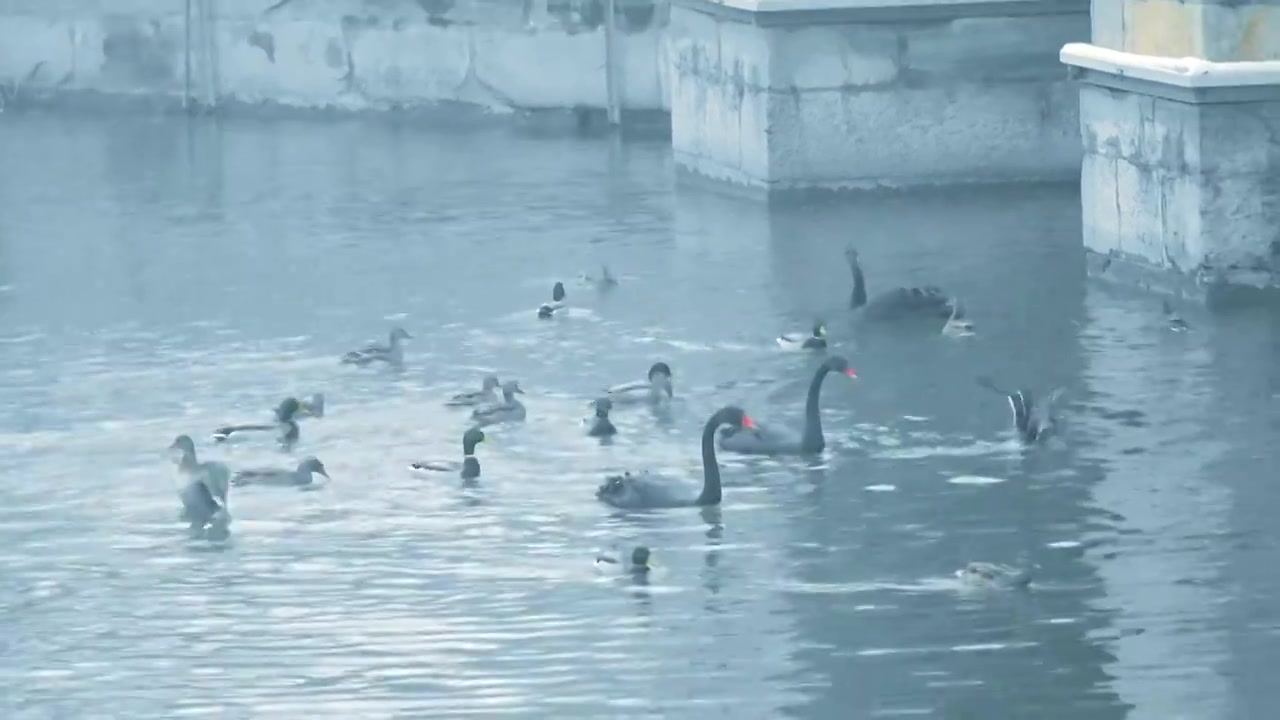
1188, 72
784, 6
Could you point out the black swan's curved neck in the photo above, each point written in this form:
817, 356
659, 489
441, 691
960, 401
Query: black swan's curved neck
710, 467
811, 440
470, 467
859, 296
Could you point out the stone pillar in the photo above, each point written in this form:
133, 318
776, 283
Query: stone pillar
777, 95
1180, 121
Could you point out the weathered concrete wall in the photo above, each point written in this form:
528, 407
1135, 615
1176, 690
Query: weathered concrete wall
334, 53
1180, 120
837, 102
1190, 188
1221, 30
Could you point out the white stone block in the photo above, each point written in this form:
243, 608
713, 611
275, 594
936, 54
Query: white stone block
641, 78
1101, 207
1187, 187
1141, 231
833, 57
326, 53
27, 42
742, 55
1107, 23
841, 110
973, 49
309, 67
542, 69
1239, 215
415, 64
898, 136
1239, 138
1181, 198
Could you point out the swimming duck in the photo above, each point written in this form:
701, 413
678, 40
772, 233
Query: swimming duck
303, 476
652, 490
898, 303
657, 388
604, 282
486, 395
816, 340
1175, 321
763, 440
313, 407
1033, 422
546, 310
640, 562
204, 487
993, 576
508, 410
469, 468
957, 325
286, 427
392, 353
600, 426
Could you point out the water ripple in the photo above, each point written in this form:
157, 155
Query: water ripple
185, 275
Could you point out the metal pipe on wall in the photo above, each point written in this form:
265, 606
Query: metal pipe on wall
612, 64
186, 65
210, 54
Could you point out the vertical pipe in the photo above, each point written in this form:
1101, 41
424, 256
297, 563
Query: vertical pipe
186, 65
612, 69
208, 54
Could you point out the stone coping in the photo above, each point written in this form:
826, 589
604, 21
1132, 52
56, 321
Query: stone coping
813, 12
1188, 79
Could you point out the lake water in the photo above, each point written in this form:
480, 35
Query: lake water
160, 276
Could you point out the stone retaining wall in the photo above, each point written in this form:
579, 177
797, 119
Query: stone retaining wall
353, 54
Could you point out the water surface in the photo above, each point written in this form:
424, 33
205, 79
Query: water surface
162, 276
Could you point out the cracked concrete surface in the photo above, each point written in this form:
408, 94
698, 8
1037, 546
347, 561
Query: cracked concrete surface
385, 53
1183, 196
846, 105
1188, 189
